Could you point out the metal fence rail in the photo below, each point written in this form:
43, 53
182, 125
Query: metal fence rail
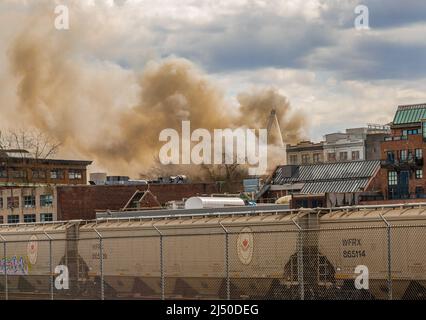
221, 262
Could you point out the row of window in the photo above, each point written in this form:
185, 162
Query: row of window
41, 174
410, 132
343, 156
393, 177
46, 200
404, 155
331, 156
28, 218
306, 158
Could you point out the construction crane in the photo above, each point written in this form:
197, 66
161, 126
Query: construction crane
274, 119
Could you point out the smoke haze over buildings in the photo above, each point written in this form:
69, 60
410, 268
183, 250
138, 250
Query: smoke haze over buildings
112, 114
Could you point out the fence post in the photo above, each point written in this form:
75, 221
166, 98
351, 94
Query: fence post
388, 228
300, 271
161, 263
6, 285
228, 283
101, 256
50, 265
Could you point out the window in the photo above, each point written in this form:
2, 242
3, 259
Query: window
305, 158
1, 202
317, 157
419, 153
12, 202
46, 217
46, 200
3, 173
419, 174
331, 156
29, 201
424, 130
1, 220
39, 174
392, 178
13, 219
75, 175
56, 174
343, 156
293, 159
410, 132
391, 156
355, 155
29, 218
403, 155
18, 174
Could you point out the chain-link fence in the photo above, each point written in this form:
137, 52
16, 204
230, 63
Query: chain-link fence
223, 260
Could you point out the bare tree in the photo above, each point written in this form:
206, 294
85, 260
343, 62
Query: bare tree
29, 143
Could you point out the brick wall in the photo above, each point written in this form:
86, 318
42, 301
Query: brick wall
413, 142
82, 202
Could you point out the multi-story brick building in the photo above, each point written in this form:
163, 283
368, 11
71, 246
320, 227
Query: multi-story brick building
402, 173
18, 168
28, 186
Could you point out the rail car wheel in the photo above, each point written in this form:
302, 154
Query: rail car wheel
414, 291
281, 292
349, 292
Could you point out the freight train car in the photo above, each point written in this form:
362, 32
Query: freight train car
26, 257
195, 257
287, 254
358, 236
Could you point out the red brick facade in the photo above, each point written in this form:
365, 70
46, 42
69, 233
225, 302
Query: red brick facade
82, 202
409, 144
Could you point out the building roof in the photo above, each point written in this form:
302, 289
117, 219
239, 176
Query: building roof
410, 114
330, 177
44, 161
352, 185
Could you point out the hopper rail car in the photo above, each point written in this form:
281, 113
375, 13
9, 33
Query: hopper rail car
264, 254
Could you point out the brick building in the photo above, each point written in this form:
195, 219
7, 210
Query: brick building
402, 173
61, 202
18, 168
82, 202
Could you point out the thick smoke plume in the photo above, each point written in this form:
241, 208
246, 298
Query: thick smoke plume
113, 115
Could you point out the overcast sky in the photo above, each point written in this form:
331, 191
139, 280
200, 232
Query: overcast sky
308, 49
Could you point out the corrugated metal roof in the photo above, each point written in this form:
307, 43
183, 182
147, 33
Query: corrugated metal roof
329, 172
352, 185
410, 114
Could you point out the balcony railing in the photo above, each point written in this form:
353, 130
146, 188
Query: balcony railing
412, 162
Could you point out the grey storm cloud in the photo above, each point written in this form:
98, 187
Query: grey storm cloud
389, 61
250, 41
393, 13
383, 13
